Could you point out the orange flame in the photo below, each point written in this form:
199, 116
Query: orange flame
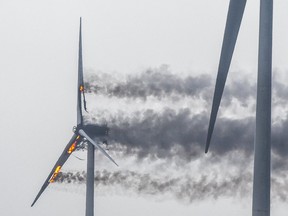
81, 88
56, 172
72, 148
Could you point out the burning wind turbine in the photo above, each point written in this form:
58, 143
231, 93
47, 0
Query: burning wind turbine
77, 141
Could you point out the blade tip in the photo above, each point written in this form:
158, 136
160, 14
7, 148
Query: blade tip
207, 145
208, 140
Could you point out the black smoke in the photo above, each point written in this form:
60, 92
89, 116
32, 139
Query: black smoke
181, 134
171, 133
160, 83
184, 188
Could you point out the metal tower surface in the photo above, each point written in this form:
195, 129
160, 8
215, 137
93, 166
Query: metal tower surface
90, 181
262, 146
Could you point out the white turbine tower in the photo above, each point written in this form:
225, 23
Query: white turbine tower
262, 145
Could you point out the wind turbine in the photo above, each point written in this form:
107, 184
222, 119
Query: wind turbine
79, 138
262, 142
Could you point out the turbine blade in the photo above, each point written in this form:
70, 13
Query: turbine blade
80, 87
60, 162
233, 22
82, 133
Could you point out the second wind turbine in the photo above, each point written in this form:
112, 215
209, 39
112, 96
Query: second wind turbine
262, 144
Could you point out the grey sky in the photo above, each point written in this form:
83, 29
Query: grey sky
38, 78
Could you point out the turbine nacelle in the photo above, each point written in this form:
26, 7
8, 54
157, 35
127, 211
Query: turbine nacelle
94, 130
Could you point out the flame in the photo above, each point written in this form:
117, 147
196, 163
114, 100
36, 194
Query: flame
56, 172
81, 88
72, 148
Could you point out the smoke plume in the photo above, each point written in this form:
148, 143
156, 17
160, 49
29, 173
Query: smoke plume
170, 133
185, 188
181, 134
160, 83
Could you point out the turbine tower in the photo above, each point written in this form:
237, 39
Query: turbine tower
262, 142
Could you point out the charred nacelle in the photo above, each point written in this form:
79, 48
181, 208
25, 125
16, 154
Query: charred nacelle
96, 130
93, 129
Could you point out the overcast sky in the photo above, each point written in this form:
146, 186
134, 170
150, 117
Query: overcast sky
122, 40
